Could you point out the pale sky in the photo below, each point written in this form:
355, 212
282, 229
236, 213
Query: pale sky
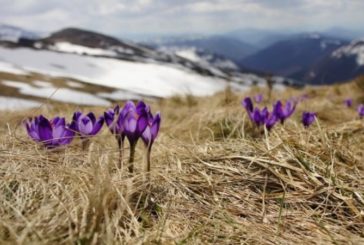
120, 17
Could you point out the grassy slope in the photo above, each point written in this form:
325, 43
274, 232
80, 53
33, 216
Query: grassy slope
214, 179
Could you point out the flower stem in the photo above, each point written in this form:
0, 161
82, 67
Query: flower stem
131, 157
121, 152
149, 150
85, 144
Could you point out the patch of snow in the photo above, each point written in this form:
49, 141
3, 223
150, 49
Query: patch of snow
355, 48
251, 79
78, 49
189, 54
279, 87
38, 45
11, 103
120, 95
122, 50
325, 43
61, 94
10, 68
142, 78
204, 59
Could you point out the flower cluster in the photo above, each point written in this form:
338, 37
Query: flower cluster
131, 122
280, 113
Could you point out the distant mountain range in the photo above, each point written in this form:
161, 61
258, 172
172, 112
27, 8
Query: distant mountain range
341, 65
292, 57
306, 57
231, 48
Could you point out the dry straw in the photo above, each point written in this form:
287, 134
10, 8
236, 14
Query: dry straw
214, 180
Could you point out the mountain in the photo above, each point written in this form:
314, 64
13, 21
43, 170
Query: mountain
258, 37
83, 42
202, 58
231, 48
292, 57
14, 34
344, 63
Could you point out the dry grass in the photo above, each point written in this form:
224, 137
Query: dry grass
215, 180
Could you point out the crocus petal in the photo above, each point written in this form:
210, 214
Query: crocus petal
248, 104
57, 121
76, 115
58, 132
141, 107
271, 121
85, 125
109, 117
290, 108
45, 129
130, 125
67, 136
278, 109
31, 131
92, 117
256, 116
147, 136
264, 114
98, 126
154, 129
142, 123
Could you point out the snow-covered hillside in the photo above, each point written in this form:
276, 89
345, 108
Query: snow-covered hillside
355, 49
203, 58
151, 79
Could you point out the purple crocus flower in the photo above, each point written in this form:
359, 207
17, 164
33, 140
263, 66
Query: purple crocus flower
348, 102
361, 110
260, 117
150, 133
86, 126
258, 98
248, 105
308, 118
51, 133
270, 121
114, 119
284, 112
134, 124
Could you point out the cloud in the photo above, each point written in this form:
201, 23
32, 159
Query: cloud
177, 16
